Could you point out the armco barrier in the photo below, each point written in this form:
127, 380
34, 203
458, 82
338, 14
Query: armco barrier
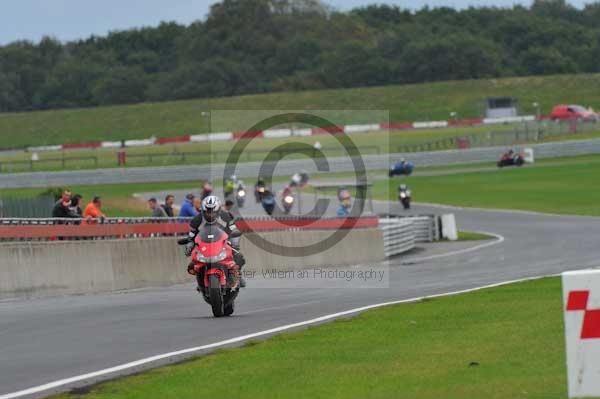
425, 227
398, 236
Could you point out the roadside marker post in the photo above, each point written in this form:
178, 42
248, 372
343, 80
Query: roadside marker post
581, 296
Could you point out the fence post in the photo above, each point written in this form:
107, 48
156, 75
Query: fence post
121, 158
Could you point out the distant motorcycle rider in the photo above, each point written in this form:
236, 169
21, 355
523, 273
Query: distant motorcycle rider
229, 186
212, 214
259, 189
207, 189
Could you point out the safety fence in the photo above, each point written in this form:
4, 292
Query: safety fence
123, 228
526, 132
211, 156
398, 236
425, 227
48, 163
36, 207
283, 133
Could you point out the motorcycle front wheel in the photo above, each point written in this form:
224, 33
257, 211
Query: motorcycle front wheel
215, 295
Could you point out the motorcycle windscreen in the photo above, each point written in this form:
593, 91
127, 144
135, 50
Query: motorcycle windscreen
211, 240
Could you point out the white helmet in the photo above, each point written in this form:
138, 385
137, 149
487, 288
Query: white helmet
211, 206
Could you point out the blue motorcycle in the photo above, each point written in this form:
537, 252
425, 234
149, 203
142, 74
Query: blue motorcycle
268, 202
402, 168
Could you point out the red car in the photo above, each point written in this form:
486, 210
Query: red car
561, 112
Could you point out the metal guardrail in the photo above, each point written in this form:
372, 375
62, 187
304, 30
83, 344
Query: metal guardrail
398, 236
426, 227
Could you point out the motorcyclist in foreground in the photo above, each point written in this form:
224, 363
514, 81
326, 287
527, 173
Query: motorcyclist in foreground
212, 214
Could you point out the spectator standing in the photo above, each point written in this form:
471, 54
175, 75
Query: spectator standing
75, 207
197, 203
62, 207
187, 208
157, 210
207, 189
93, 210
345, 203
168, 205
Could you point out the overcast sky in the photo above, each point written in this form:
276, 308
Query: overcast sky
75, 19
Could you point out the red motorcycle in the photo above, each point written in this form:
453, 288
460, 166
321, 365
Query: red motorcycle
215, 270
511, 158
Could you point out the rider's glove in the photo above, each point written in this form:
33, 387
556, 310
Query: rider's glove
189, 247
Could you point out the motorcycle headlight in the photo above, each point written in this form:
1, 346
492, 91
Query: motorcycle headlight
213, 259
222, 255
288, 199
241, 193
402, 195
201, 258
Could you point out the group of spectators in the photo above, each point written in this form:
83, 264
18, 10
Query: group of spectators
162, 210
69, 206
191, 206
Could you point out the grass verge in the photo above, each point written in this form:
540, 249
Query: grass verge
556, 185
560, 185
481, 344
473, 236
218, 151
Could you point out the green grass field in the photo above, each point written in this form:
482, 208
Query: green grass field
430, 101
218, 151
565, 186
257, 150
473, 236
556, 185
476, 345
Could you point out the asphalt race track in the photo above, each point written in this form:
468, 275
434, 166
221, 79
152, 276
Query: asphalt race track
52, 339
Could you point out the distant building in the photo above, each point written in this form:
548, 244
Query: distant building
501, 107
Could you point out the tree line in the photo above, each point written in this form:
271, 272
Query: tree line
257, 46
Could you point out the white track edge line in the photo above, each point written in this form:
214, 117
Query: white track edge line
141, 362
499, 239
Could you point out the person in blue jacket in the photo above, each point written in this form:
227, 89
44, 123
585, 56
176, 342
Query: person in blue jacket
345, 203
187, 208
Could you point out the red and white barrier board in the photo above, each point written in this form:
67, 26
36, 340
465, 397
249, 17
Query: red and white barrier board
581, 293
282, 133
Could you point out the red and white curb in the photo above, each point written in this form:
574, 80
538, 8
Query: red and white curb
281, 133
